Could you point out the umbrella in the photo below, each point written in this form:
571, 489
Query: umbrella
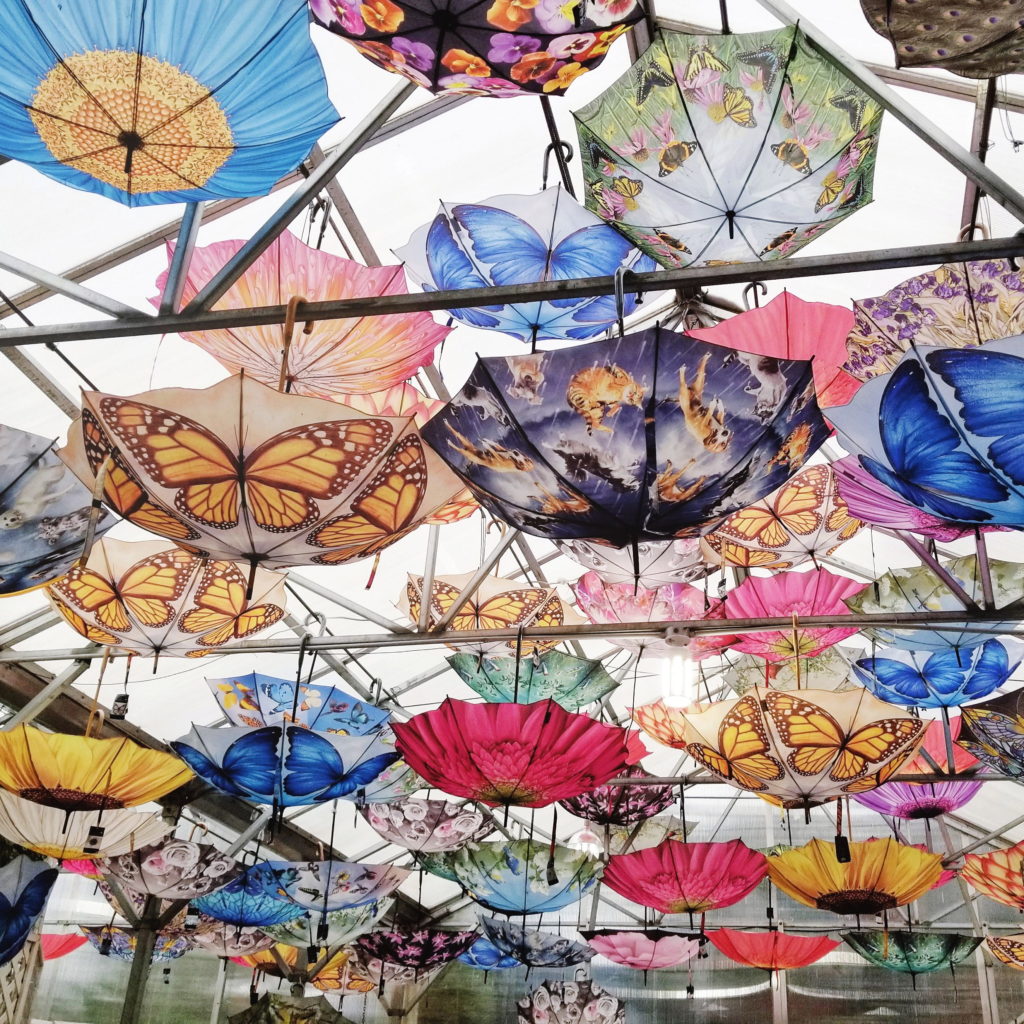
805, 520
880, 875
25, 886
513, 239
549, 675
994, 734
173, 869
533, 947
645, 834
653, 563
771, 950
828, 670
85, 868
396, 782
56, 945
802, 748
279, 1009
912, 953
524, 876
427, 826
796, 594
662, 722
241, 471
135, 902
422, 949
485, 956
135, 104
120, 944
998, 875
256, 700
937, 679
679, 878
728, 148
44, 513
399, 988
649, 950
335, 357
567, 1002
342, 926
81, 773
228, 940
529, 755
244, 904
470, 48
650, 436
150, 597
1007, 949
621, 805
342, 973
498, 603
320, 886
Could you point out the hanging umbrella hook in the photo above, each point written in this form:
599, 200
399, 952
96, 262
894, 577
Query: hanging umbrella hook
620, 297
567, 153
319, 618
755, 289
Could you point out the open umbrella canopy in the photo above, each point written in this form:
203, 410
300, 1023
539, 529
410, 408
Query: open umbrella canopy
645, 834
662, 722
279, 1009
243, 903
55, 944
828, 670
737, 147
533, 947
999, 874
771, 950
342, 925
621, 805
650, 436
399, 988
135, 902
528, 755
485, 956
880, 875
134, 104
569, 681
150, 597
566, 1002
44, 513
335, 357
427, 826
678, 878
120, 944
910, 952
422, 949
649, 950
25, 886
173, 869
320, 886
227, 940
1007, 949
652, 564
993, 732
81, 773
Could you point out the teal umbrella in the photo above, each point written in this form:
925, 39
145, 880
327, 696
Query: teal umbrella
912, 953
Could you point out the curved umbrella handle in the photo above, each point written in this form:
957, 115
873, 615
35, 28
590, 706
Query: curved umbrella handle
757, 289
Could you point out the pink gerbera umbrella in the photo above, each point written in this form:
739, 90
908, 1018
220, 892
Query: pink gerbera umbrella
795, 594
772, 950
644, 951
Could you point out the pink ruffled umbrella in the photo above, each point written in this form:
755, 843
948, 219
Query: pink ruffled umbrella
796, 594
643, 951
349, 356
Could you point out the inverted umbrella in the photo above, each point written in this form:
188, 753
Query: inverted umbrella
279, 1009
321, 886
243, 903
771, 950
524, 754
567, 1002
645, 834
649, 950
227, 940
133, 103
25, 886
998, 875
427, 826
621, 805
150, 597
120, 943
485, 956
399, 988
993, 732
174, 869
135, 902
653, 563
828, 670
533, 947
728, 148
56, 945
910, 952
651, 436
662, 722
421, 949
1007, 949
342, 926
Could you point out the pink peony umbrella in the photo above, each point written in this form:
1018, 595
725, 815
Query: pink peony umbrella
818, 592
772, 950
643, 951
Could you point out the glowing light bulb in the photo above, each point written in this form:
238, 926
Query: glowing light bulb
678, 678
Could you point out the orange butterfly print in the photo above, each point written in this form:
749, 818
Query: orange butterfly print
221, 612
91, 633
503, 611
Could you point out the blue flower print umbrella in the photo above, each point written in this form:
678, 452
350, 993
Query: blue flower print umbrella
244, 903
161, 101
320, 886
521, 240
25, 886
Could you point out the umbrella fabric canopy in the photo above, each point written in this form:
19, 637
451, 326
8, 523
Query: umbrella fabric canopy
172, 121
279, 1009
25, 886
228, 940
1007, 949
529, 755
342, 925
653, 564
173, 869
524, 876
566, 1002
336, 357
569, 681
625, 838
881, 874
427, 826
399, 988
805, 520
828, 670
243, 903
342, 973
797, 594
662, 722
256, 700
44, 513
678, 878
621, 805
85, 868
998, 875
910, 952
772, 950
150, 597
514, 239
643, 951
468, 48
396, 782
56, 945
719, 149
533, 947
135, 902
994, 733
120, 943
485, 956
319, 886
650, 436
802, 748
81, 773
422, 949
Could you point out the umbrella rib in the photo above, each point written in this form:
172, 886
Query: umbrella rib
58, 117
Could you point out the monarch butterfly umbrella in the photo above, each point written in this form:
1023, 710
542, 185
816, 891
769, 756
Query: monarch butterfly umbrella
341, 973
910, 952
120, 944
256, 700
651, 436
279, 1009
241, 471
796, 594
334, 357
805, 520
485, 956
427, 826
919, 589
497, 604
994, 733
528, 755
25, 886
81, 773
150, 597
399, 988
998, 875
44, 513
802, 748
422, 949
174, 869
510, 240
771, 950
227, 940
654, 563
470, 48
133, 103
828, 670
524, 876
649, 950
1007, 949
881, 874
569, 681
321, 886
55, 945
342, 926
244, 904
729, 148
623, 804
565, 1002
533, 947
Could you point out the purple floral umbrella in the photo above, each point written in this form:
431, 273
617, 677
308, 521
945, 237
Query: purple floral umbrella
428, 826
621, 805
919, 799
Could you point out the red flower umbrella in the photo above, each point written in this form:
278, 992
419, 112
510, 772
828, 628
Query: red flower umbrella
677, 878
772, 950
525, 754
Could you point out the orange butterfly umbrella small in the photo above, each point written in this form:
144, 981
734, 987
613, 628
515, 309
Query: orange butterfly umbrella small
999, 874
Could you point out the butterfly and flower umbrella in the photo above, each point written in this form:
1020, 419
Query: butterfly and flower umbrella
121, 943
244, 904
229, 940
828, 670
654, 563
132, 102
322, 886
772, 950
738, 147
648, 950
427, 826
910, 952
993, 732
342, 926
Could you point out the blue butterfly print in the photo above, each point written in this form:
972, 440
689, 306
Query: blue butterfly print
451, 268
16, 919
251, 765
282, 693
314, 768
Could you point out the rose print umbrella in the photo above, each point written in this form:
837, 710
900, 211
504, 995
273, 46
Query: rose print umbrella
728, 148
772, 950
653, 564
25, 886
566, 1002
912, 952
650, 950
427, 826
174, 869
421, 949
533, 947
342, 925
621, 805
227, 940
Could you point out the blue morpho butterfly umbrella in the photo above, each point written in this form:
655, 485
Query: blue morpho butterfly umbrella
25, 886
161, 101
514, 239
321, 886
650, 436
533, 947
485, 956
256, 699
244, 903
940, 679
